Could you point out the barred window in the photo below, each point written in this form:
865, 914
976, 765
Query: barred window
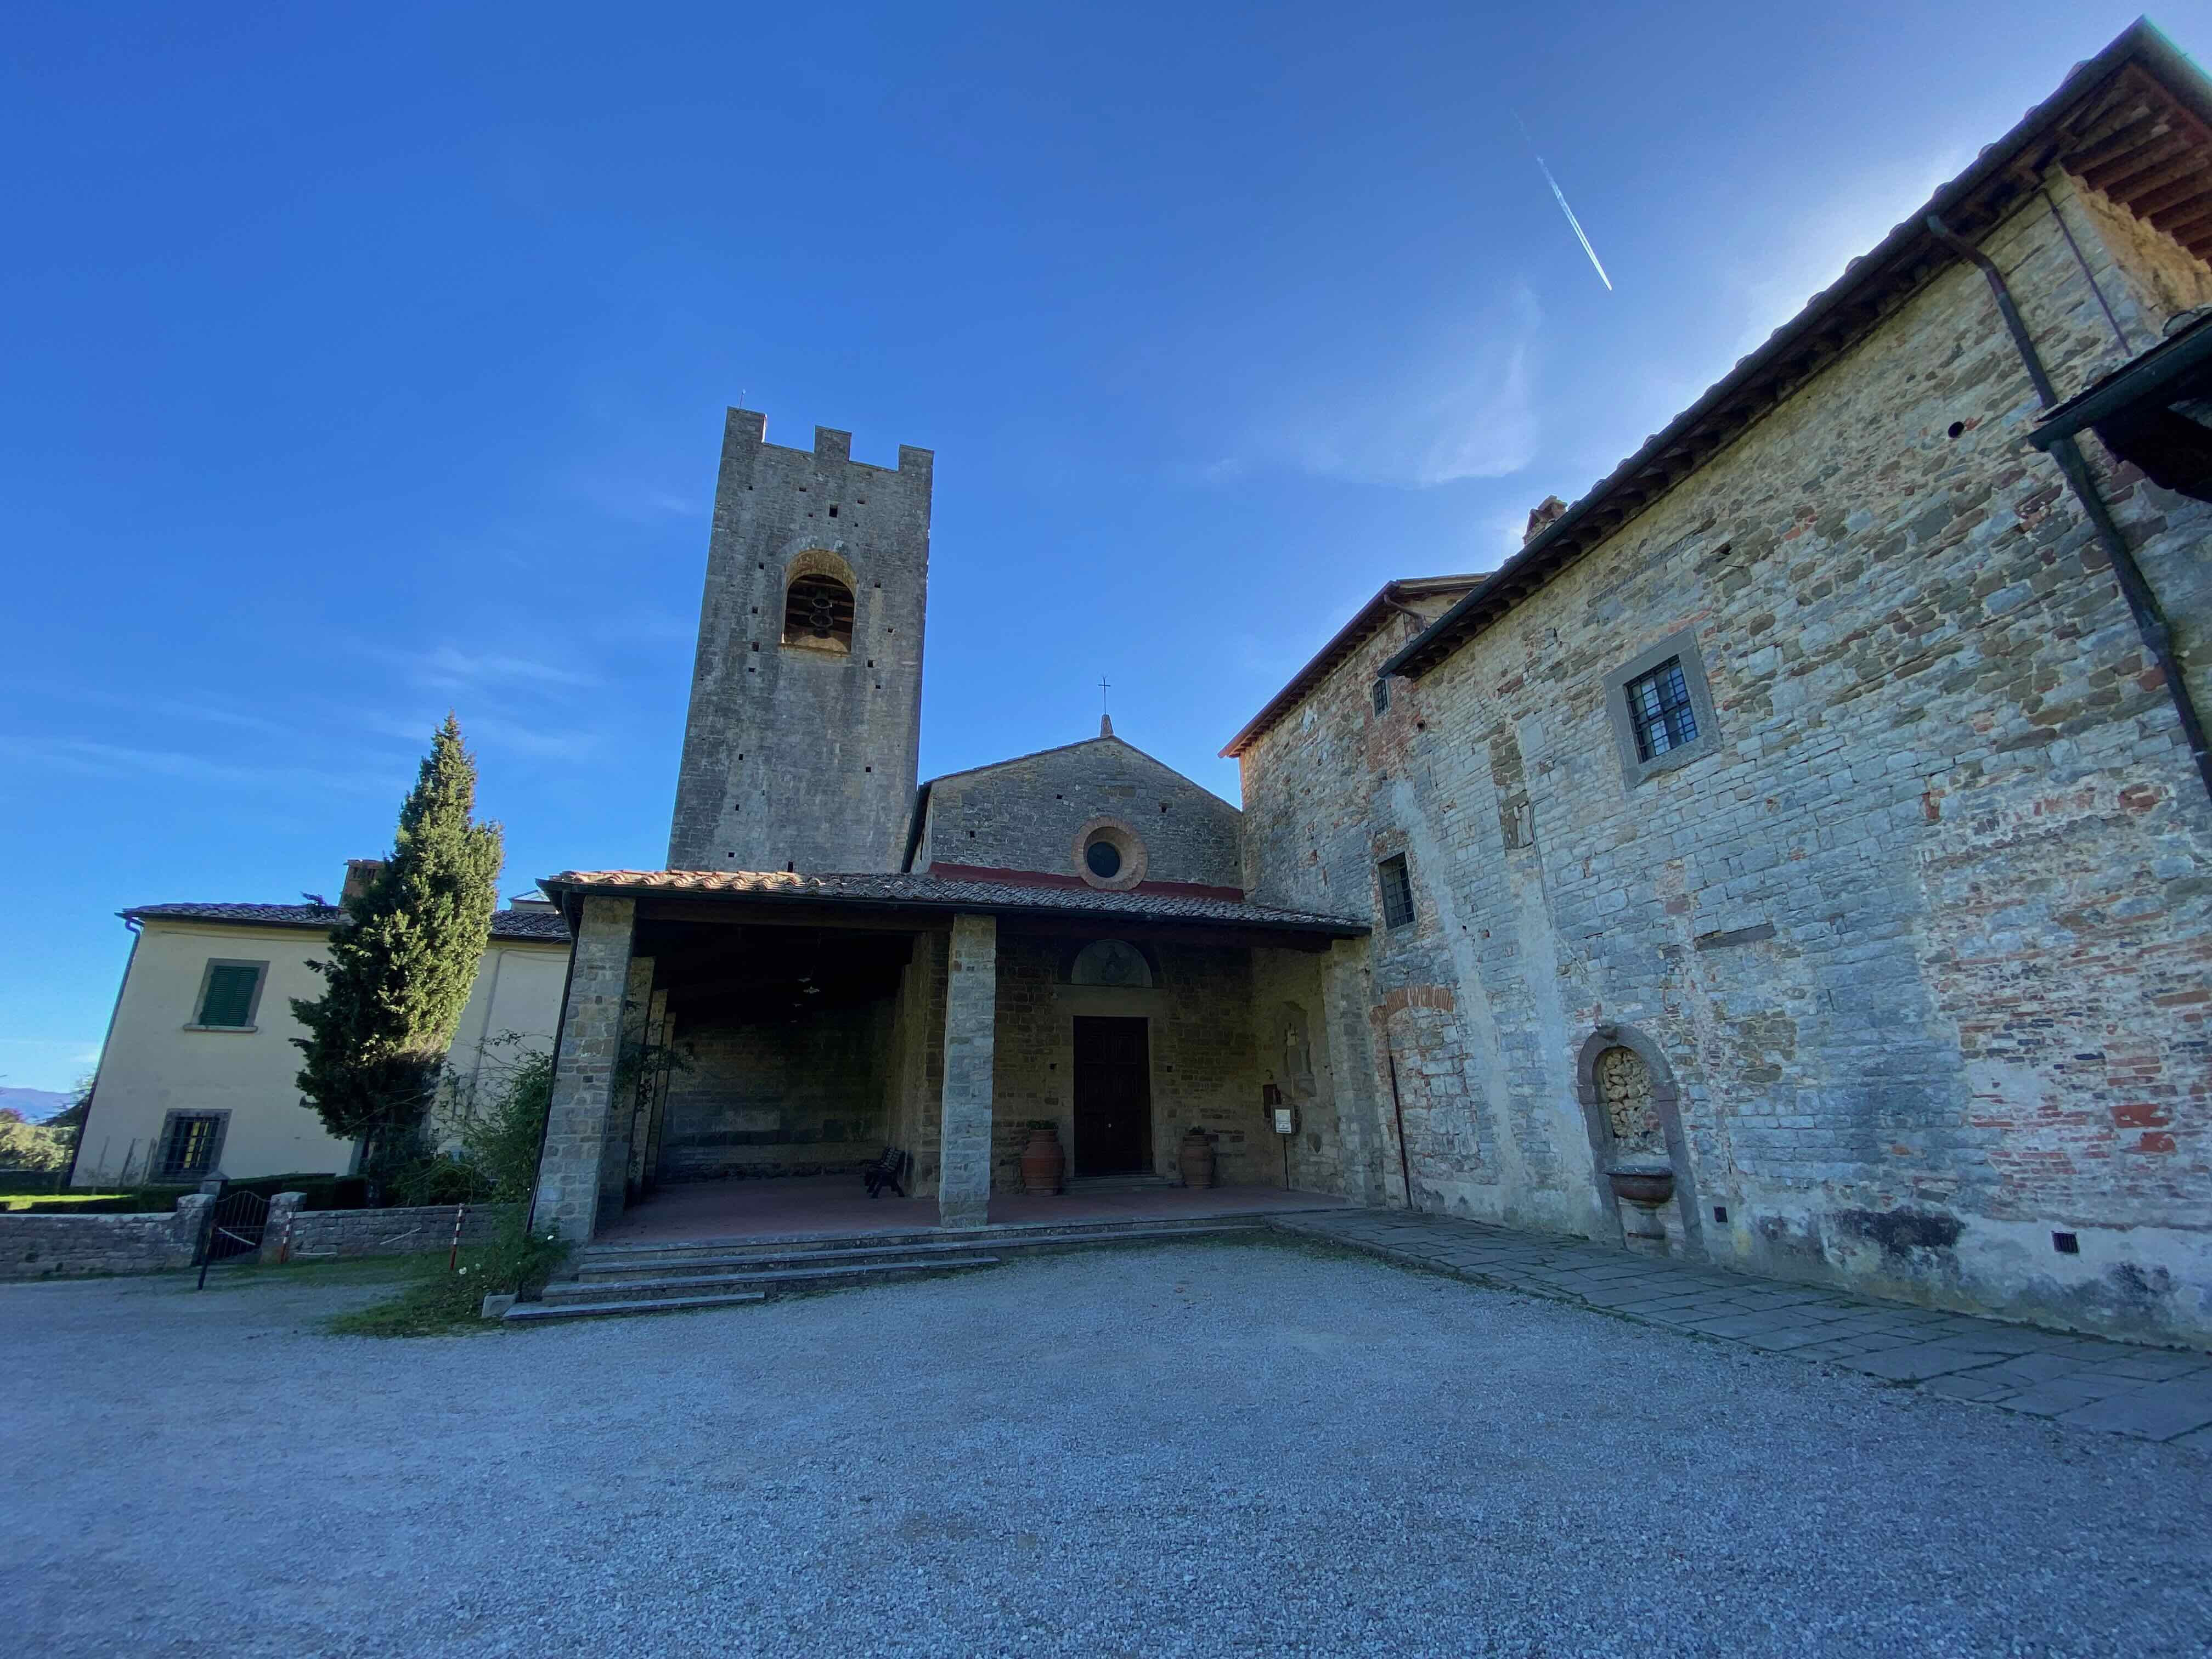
192, 1142
1397, 891
1381, 696
1659, 709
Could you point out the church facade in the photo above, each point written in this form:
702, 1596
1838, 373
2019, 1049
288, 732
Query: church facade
839, 958
1813, 822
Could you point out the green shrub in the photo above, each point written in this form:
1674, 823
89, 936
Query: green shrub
501, 1136
440, 1180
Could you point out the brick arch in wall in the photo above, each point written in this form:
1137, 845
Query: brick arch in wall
1665, 1103
819, 561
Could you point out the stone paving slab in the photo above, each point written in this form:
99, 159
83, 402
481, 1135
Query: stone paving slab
2084, 1381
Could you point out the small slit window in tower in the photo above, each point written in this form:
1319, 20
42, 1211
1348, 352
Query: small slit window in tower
1381, 696
1397, 891
1659, 709
817, 614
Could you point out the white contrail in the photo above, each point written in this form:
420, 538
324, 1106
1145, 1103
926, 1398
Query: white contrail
1560, 197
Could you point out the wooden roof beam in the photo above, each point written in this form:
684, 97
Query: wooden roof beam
2115, 179
2177, 183
2116, 143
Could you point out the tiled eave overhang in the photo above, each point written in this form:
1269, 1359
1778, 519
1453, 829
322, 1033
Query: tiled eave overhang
2134, 122
1365, 621
927, 900
507, 926
2174, 368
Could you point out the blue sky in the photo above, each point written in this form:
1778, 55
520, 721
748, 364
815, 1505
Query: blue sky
366, 361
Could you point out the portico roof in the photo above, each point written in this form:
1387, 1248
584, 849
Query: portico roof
942, 895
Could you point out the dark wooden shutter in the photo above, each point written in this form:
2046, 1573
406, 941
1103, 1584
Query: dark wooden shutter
229, 997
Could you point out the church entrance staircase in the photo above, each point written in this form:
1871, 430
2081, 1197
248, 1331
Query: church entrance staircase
611, 1280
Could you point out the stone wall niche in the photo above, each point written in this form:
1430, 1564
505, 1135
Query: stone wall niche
1632, 1110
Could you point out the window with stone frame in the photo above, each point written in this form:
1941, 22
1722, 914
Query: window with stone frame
817, 614
191, 1144
1659, 710
230, 995
1397, 891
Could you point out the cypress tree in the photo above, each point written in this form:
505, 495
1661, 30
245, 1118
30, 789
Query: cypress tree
402, 961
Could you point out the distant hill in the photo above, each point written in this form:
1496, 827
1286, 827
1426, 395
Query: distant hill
36, 1105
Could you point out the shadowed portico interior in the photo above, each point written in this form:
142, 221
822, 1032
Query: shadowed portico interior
768, 1036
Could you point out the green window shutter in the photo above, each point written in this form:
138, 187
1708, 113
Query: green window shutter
228, 1000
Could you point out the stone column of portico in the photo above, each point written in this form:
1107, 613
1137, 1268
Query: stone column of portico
623, 1123
1362, 1087
971, 1013
587, 1058
645, 1154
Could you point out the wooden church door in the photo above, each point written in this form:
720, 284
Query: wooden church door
1113, 1097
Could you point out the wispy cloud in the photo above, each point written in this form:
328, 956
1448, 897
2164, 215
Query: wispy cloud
640, 501
1456, 403
449, 668
496, 732
642, 625
149, 708
85, 758
541, 742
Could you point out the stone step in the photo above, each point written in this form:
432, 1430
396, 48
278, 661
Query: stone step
767, 1281
1122, 1183
998, 1236
595, 1270
538, 1312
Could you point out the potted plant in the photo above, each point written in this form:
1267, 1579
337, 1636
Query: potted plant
1196, 1158
1043, 1163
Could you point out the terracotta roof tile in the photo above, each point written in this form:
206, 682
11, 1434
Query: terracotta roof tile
504, 924
942, 893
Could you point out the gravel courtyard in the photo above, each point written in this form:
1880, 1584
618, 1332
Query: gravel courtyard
1202, 1448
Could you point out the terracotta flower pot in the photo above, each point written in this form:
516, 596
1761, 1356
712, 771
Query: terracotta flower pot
1195, 1159
1043, 1164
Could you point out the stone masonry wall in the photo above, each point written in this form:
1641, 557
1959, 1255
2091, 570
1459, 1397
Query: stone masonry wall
963, 1175
778, 1098
1199, 1034
1026, 814
1292, 1050
586, 1059
916, 1078
794, 756
71, 1246
1923, 940
327, 1235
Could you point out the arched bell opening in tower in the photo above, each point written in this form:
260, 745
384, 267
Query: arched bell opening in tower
818, 615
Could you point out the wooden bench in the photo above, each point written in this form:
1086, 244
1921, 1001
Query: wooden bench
888, 1170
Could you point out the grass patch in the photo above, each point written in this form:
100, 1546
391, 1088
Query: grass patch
437, 1300
24, 1201
350, 1270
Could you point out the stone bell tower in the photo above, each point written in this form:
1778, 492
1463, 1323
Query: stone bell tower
800, 751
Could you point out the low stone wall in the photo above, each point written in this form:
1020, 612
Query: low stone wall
65, 1246
328, 1235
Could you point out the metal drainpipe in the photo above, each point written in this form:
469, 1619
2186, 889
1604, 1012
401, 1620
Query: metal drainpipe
1398, 1110
2143, 602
